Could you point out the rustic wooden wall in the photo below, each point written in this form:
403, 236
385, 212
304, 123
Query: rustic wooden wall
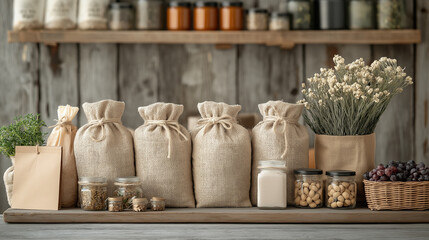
38, 78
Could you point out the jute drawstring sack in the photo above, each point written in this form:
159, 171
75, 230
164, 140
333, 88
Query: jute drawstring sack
279, 136
104, 147
63, 135
8, 180
221, 157
163, 155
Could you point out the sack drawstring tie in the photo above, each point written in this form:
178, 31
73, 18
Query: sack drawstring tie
226, 122
100, 123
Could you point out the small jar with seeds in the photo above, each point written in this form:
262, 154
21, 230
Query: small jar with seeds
308, 188
158, 204
92, 193
115, 204
128, 188
341, 189
140, 204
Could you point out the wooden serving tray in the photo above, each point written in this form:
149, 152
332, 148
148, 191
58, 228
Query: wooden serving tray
218, 215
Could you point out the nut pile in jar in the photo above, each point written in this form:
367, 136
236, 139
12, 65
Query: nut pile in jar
158, 204
341, 189
140, 204
308, 188
92, 193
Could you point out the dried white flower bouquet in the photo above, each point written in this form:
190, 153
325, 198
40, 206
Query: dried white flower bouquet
349, 99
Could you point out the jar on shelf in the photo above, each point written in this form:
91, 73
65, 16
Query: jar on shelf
115, 204
128, 188
60, 14
121, 16
150, 14
361, 14
341, 189
28, 14
231, 16
279, 21
140, 204
391, 14
332, 14
308, 188
179, 16
272, 184
158, 204
92, 14
257, 19
206, 16
300, 11
92, 193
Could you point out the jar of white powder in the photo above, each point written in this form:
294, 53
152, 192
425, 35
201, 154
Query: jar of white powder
272, 184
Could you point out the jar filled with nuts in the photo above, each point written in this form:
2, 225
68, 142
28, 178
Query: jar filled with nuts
308, 188
158, 204
115, 204
92, 193
128, 188
341, 189
140, 204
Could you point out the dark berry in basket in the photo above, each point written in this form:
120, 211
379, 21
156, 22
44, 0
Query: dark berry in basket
399, 171
393, 178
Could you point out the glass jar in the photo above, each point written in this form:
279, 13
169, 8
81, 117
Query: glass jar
361, 14
231, 16
206, 16
279, 21
332, 14
92, 193
115, 204
158, 204
121, 16
28, 14
301, 14
179, 16
140, 204
149, 14
60, 14
257, 19
272, 184
341, 189
391, 14
92, 14
308, 188
128, 188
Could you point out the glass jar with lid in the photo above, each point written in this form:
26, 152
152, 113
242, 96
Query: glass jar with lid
140, 204
279, 21
231, 16
308, 188
158, 204
361, 14
300, 11
272, 184
115, 204
206, 16
128, 188
179, 16
391, 14
341, 189
92, 193
332, 14
121, 16
150, 14
257, 19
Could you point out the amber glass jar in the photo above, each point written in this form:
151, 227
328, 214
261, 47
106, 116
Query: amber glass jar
206, 16
179, 16
231, 16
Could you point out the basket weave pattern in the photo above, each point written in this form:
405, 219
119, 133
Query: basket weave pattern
397, 195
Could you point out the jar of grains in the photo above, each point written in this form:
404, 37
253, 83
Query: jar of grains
308, 188
28, 14
257, 19
60, 14
231, 16
341, 189
92, 193
206, 16
179, 16
121, 16
115, 204
279, 21
272, 184
128, 188
150, 14
301, 14
391, 14
361, 14
140, 204
158, 204
92, 14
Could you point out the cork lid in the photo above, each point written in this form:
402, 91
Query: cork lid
157, 199
140, 200
114, 199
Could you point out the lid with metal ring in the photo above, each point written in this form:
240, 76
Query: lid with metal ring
340, 173
120, 5
179, 4
206, 4
308, 171
232, 4
272, 164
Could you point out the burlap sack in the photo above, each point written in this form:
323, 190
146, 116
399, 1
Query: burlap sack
356, 153
63, 135
279, 136
8, 181
221, 157
104, 147
163, 155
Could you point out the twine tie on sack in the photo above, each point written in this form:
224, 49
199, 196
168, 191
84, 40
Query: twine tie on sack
62, 123
168, 125
226, 122
100, 123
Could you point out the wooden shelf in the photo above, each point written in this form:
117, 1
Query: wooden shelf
218, 215
286, 39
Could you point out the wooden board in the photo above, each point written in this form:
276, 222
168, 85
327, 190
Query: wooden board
218, 215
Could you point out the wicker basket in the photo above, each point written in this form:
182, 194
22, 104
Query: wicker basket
397, 195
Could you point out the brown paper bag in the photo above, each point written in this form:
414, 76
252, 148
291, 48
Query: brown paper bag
36, 181
63, 135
